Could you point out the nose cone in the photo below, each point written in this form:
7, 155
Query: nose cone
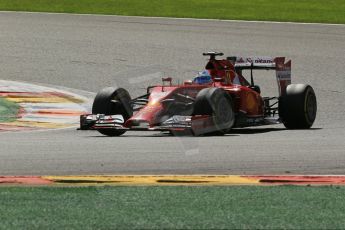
147, 116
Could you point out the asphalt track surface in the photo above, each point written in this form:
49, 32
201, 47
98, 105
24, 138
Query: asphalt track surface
88, 52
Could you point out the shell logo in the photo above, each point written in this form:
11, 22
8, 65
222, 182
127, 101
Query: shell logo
251, 102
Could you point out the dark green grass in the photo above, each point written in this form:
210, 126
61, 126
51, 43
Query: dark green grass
8, 110
330, 11
252, 207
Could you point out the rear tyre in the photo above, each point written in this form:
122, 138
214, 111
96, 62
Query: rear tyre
297, 109
111, 101
218, 104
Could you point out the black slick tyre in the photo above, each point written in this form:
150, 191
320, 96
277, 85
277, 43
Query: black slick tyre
218, 104
111, 101
298, 107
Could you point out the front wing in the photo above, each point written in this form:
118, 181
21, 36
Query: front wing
199, 124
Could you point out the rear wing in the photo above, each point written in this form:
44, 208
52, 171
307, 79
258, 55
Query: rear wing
283, 70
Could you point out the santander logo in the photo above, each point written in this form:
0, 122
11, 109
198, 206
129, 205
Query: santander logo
258, 60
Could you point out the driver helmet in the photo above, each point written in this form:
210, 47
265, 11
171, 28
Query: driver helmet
203, 77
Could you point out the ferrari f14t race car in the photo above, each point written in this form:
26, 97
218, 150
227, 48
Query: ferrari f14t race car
214, 102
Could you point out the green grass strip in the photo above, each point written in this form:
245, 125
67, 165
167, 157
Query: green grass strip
8, 110
330, 11
253, 207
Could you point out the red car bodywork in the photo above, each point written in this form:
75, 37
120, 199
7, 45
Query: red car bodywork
248, 104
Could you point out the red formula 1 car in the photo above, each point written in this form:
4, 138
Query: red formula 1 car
218, 99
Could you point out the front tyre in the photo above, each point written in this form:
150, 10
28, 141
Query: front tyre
298, 107
111, 101
218, 104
